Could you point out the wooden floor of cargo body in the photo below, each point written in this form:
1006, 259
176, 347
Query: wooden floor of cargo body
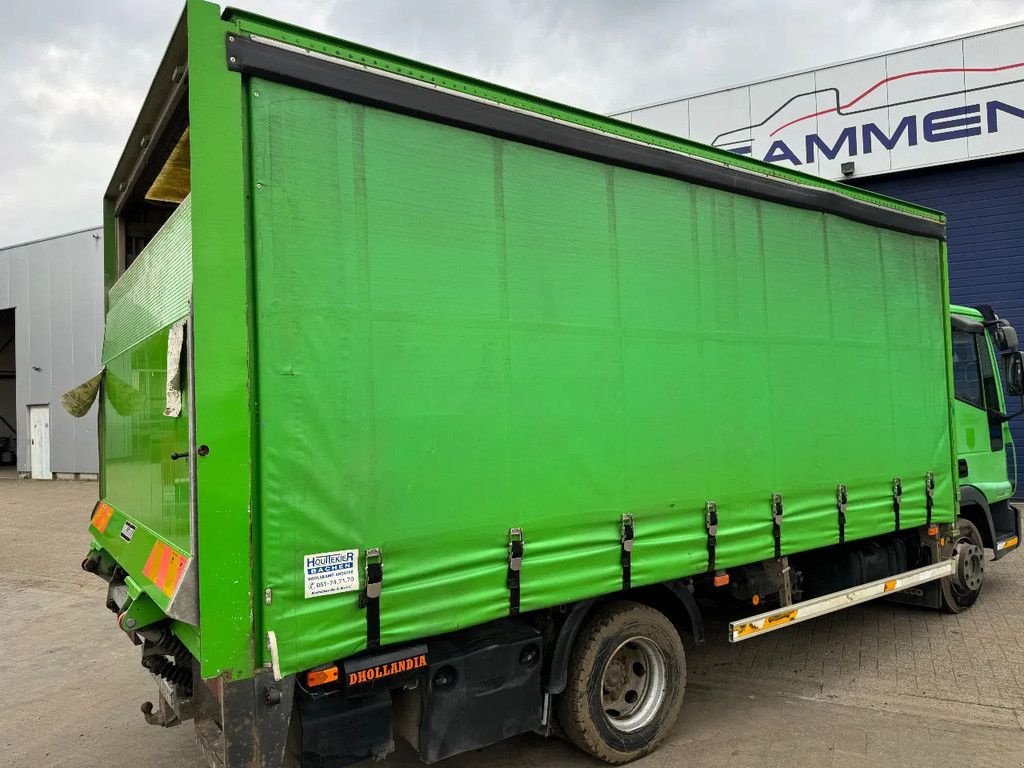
880, 685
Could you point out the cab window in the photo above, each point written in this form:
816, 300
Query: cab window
966, 371
989, 380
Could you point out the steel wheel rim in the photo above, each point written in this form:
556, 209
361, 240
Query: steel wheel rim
633, 684
970, 566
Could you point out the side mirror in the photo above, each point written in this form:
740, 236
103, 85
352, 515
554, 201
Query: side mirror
1015, 373
1006, 337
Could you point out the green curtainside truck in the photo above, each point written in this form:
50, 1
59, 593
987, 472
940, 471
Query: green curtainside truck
434, 410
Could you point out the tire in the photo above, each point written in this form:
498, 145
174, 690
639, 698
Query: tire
625, 685
961, 591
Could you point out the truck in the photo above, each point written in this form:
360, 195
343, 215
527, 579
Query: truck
983, 347
433, 410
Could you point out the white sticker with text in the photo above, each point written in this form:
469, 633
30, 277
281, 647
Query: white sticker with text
330, 573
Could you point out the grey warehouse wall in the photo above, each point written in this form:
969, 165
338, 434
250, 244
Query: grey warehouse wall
56, 289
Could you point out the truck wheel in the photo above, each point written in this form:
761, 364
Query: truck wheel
960, 591
625, 686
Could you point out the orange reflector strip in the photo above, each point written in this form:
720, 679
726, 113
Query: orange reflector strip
933, 530
149, 570
101, 516
321, 676
779, 618
175, 569
889, 586
776, 620
165, 567
1009, 543
721, 579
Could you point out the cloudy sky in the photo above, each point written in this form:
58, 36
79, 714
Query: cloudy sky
73, 75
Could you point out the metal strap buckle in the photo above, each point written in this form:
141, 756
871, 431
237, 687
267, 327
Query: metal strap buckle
374, 573
515, 549
929, 485
627, 533
777, 508
711, 518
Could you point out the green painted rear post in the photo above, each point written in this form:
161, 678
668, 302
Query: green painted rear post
223, 337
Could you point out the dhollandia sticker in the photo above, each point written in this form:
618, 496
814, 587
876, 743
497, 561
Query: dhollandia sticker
330, 573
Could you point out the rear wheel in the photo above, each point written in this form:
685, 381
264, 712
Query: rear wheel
626, 679
960, 591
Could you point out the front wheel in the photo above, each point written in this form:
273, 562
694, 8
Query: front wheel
960, 591
626, 679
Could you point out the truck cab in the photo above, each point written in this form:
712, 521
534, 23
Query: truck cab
987, 380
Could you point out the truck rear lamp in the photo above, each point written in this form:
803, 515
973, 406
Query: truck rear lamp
322, 676
101, 515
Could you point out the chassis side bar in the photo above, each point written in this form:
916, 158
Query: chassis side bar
836, 601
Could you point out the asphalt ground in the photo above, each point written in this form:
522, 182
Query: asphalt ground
875, 686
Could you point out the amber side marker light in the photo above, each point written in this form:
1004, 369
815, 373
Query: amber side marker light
721, 579
933, 531
321, 676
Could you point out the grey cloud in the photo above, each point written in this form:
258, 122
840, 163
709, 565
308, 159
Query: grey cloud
72, 76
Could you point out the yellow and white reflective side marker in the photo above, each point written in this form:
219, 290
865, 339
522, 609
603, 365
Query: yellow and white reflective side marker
1009, 543
836, 601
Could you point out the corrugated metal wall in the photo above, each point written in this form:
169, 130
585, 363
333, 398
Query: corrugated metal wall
985, 205
56, 289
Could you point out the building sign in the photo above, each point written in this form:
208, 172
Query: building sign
934, 104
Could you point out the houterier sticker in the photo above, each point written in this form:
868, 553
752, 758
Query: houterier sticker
331, 573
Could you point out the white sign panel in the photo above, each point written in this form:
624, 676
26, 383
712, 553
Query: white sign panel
330, 573
935, 104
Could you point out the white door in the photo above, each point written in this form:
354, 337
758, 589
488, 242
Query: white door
39, 428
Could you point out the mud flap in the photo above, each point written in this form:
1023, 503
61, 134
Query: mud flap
244, 723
